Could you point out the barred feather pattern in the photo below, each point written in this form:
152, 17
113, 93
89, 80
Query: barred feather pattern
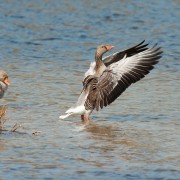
119, 76
90, 84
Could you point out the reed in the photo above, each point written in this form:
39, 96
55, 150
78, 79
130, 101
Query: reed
3, 110
2, 116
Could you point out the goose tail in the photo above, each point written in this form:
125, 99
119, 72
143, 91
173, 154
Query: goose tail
65, 116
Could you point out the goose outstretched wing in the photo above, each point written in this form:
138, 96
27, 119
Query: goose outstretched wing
120, 75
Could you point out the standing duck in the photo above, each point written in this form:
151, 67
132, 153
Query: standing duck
4, 83
108, 78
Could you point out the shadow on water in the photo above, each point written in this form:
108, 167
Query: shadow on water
110, 136
124, 142
102, 130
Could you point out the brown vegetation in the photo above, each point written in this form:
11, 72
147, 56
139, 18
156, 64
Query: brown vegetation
3, 110
2, 117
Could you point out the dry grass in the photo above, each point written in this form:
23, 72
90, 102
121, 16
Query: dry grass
3, 110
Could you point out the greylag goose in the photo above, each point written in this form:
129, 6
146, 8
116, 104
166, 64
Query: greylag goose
4, 83
108, 78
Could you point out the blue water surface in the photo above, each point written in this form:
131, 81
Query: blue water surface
46, 46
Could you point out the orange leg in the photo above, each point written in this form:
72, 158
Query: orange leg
87, 118
82, 117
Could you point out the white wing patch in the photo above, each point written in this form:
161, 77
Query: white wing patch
91, 70
133, 64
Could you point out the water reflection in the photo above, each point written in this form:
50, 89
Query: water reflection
102, 130
132, 143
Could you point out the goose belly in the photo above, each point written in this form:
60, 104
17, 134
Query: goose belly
77, 110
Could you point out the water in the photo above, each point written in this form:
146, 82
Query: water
46, 46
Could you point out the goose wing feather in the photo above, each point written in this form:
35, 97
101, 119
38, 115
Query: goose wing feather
120, 75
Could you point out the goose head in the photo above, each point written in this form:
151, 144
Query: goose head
4, 77
102, 49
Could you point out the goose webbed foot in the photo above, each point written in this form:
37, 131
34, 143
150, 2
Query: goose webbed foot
87, 119
82, 118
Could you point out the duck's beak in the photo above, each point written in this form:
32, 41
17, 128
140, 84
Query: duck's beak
7, 81
109, 47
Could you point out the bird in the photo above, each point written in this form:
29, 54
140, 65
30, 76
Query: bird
4, 83
107, 78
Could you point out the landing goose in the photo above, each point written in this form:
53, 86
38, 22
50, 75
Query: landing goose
4, 82
108, 78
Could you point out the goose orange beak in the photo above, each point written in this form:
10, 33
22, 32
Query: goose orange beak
7, 81
109, 47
